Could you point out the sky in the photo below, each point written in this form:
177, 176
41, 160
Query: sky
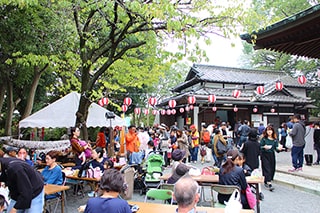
222, 53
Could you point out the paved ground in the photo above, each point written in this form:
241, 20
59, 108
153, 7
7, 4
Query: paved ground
294, 192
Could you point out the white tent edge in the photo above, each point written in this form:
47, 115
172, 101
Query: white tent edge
61, 113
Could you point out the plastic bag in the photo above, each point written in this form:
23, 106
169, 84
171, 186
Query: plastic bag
194, 172
289, 142
234, 203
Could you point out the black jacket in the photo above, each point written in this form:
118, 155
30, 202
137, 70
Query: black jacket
23, 181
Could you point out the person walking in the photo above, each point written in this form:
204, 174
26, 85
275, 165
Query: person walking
297, 133
243, 131
251, 149
269, 144
220, 156
308, 149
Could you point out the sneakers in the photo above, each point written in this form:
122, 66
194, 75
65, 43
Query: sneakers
292, 170
269, 186
316, 163
261, 196
299, 169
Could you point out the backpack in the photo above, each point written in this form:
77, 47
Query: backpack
221, 148
206, 136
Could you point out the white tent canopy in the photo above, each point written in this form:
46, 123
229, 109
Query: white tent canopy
62, 113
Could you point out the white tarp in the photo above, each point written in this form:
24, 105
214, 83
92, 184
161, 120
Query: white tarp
62, 113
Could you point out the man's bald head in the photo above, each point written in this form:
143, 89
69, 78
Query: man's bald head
186, 191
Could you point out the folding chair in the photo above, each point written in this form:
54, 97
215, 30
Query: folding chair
159, 194
221, 189
55, 201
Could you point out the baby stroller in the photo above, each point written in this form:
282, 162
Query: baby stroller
153, 171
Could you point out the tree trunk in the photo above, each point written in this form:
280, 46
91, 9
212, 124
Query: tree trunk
10, 106
32, 93
82, 115
2, 93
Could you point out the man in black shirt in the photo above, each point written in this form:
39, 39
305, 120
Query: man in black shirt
25, 184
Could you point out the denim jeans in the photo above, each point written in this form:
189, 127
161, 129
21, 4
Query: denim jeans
194, 154
297, 156
37, 204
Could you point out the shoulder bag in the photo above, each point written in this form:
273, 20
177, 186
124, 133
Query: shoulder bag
221, 148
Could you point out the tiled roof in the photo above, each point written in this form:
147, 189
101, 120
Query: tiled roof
209, 73
295, 35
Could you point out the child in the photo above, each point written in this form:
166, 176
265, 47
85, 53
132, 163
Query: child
203, 151
87, 152
150, 149
241, 162
3, 203
108, 164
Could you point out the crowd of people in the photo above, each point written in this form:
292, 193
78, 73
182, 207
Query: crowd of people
180, 148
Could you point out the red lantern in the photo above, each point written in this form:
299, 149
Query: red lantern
127, 101
103, 101
181, 110
212, 98
173, 111
272, 110
260, 90
214, 109
146, 111
152, 101
236, 93
168, 112
192, 99
154, 112
172, 103
163, 112
279, 85
302, 79
137, 111
255, 109
187, 108
124, 108
191, 107
235, 109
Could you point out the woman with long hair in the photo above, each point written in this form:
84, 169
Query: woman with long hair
268, 145
231, 174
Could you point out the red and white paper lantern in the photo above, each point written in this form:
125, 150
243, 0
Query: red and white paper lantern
212, 98
172, 103
152, 101
302, 79
168, 112
214, 109
279, 85
235, 109
191, 107
155, 112
187, 108
146, 111
103, 101
127, 101
163, 112
181, 110
124, 108
236, 93
260, 90
255, 109
272, 110
137, 111
173, 111
192, 99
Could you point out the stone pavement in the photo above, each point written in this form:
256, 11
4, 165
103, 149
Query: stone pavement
307, 180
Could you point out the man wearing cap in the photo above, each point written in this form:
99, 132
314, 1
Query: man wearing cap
10, 152
177, 157
194, 143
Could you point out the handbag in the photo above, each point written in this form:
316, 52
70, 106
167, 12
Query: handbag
208, 170
93, 172
221, 148
203, 151
234, 203
289, 142
250, 197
